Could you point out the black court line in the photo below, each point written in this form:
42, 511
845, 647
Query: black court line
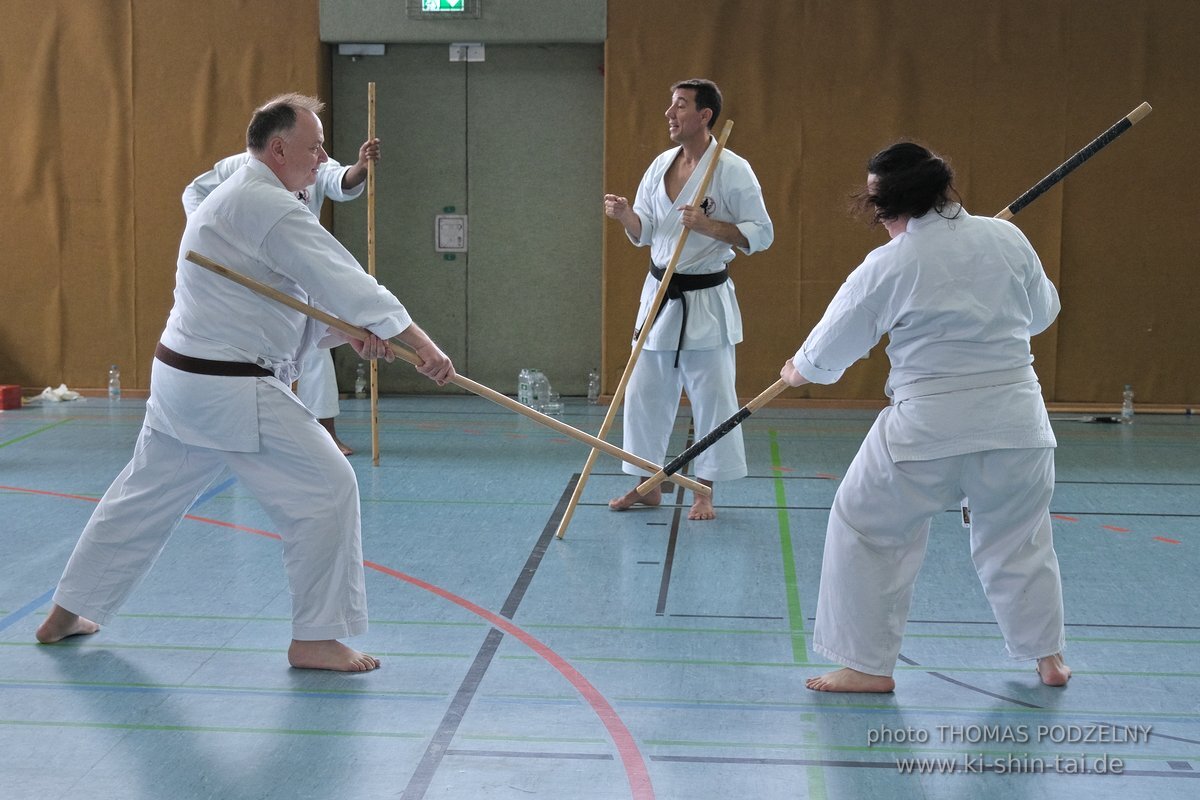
1069, 624
669, 560
965, 685
821, 762
1155, 734
527, 754
664, 584
439, 745
724, 616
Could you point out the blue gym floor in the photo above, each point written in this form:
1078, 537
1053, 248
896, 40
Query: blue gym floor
641, 656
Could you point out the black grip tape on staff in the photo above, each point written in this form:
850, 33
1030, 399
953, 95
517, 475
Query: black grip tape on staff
1096, 145
700, 445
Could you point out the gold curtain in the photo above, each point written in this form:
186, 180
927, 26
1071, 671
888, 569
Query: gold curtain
111, 108
1007, 91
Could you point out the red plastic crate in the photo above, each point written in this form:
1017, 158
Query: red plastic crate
10, 397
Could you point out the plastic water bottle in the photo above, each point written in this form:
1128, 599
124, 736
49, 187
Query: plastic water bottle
524, 377
593, 387
114, 383
360, 380
1127, 405
539, 390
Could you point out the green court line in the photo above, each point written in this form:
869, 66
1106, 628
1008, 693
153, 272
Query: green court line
82, 645
167, 687
816, 774
35, 432
795, 613
132, 726
691, 662
640, 628
499, 737
787, 706
233, 497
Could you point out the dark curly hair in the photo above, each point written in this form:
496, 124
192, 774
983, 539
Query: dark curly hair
909, 179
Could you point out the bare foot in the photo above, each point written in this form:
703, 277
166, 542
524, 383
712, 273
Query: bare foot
851, 680
1053, 671
702, 507
328, 425
632, 498
329, 654
60, 623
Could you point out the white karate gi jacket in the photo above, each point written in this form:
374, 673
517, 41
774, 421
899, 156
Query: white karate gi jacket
317, 384
252, 224
714, 318
328, 184
959, 298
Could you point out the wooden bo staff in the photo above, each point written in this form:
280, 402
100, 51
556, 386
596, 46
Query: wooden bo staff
371, 268
700, 445
682, 460
619, 394
1095, 146
412, 358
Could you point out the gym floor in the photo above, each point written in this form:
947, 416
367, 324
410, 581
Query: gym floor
641, 656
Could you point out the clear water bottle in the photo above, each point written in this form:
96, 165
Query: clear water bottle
360, 380
114, 383
524, 377
593, 387
1127, 405
539, 390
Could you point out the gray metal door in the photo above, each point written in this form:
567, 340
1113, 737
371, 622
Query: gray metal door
515, 142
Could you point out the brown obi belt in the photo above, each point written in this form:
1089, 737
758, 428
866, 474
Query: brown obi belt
205, 366
676, 290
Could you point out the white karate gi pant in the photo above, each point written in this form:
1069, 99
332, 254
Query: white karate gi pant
298, 475
652, 401
317, 385
876, 538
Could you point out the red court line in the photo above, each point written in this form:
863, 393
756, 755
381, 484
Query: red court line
1168, 541
1064, 517
631, 758
1115, 528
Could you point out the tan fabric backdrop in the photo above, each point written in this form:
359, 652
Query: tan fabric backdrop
1007, 91
111, 108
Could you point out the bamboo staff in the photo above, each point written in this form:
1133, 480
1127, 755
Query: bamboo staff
619, 394
412, 358
371, 268
680, 461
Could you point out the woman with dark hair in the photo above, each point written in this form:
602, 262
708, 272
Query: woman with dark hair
959, 297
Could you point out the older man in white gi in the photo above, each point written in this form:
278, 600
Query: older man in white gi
219, 398
317, 384
959, 298
690, 346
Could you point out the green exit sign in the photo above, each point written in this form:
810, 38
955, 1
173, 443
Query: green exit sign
442, 9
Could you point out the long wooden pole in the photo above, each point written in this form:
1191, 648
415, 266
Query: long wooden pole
1124, 124
412, 358
1093, 147
619, 394
371, 268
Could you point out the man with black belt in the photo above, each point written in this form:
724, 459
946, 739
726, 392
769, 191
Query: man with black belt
219, 398
690, 346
